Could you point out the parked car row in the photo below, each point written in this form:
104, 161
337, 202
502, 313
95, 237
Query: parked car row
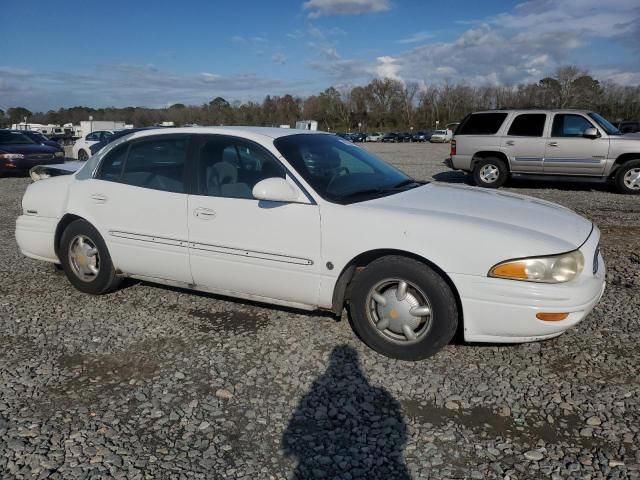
389, 137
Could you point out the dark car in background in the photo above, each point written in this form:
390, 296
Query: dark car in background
628, 126
359, 137
18, 153
390, 137
41, 139
404, 137
421, 136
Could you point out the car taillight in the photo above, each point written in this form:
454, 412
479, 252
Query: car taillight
453, 147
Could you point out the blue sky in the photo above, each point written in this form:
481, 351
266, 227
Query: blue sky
121, 53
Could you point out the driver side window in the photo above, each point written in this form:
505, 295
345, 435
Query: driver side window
567, 125
230, 167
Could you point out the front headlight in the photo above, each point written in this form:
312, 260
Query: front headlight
11, 156
553, 269
59, 154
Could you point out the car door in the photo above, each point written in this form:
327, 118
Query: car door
524, 142
138, 201
568, 152
239, 245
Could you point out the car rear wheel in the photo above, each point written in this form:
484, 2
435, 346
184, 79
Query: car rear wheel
402, 308
628, 177
83, 156
85, 259
490, 173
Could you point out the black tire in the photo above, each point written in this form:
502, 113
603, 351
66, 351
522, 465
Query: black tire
632, 166
82, 155
480, 177
105, 280
440, 326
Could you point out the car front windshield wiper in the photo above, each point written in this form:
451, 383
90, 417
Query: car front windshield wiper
383, 190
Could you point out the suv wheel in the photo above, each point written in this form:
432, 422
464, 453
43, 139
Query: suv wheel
490, 172
628, 177
402, 308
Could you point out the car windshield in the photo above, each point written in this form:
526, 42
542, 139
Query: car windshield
340, 171
14, 138
605, 124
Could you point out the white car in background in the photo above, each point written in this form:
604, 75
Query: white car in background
374, 137
441, 136
312, 221
81, 149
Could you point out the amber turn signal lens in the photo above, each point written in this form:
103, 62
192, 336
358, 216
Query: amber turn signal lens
511, 270
551, 317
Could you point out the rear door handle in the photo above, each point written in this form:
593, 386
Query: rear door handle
99, 198
204, 213
553, 144
510, 143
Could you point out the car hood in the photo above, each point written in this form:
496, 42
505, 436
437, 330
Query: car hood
27, 148
482, 210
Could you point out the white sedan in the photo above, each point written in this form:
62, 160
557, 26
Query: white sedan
81, 148
311, 221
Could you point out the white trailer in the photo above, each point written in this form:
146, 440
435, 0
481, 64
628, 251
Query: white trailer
307, 125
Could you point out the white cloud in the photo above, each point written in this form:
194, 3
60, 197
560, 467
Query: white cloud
320, 8
523, 45
279, 58
417, 37
127, 84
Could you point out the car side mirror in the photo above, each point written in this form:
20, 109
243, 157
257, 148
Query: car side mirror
275, 189
591, 133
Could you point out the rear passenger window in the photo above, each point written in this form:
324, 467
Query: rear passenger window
482, 124
528, 125
158, 164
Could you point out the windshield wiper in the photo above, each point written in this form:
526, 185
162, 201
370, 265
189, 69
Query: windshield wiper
382, 190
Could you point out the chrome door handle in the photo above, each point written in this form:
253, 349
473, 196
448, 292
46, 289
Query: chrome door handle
553, 144
511, 143
99, 198
204, 213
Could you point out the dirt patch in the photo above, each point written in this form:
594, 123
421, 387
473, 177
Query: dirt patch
235, 322
488, 424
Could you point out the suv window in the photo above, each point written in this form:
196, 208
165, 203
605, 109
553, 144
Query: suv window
157, 163
569, 125
481, 124
528, 125
230, 167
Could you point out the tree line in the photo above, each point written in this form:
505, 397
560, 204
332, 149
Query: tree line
382, 104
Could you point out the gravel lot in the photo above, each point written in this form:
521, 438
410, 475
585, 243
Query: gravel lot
154, 382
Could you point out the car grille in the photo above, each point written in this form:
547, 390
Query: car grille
38, 157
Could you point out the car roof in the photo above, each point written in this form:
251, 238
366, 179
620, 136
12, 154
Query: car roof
269, 132
534, 110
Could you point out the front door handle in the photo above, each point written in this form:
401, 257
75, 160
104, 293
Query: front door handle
553, 144
99, 198
511, 143
204, 213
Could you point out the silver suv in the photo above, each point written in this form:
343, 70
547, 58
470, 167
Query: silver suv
497, 144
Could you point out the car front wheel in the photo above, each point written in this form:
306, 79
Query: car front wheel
490, 173
628, 177
402, 308
85, 259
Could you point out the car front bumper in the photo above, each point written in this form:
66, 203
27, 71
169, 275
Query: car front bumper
504, 311
35, 237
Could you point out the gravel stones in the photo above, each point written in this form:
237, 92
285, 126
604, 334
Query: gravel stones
183, 385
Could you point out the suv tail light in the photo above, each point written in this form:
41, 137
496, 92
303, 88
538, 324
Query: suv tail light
453, 147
